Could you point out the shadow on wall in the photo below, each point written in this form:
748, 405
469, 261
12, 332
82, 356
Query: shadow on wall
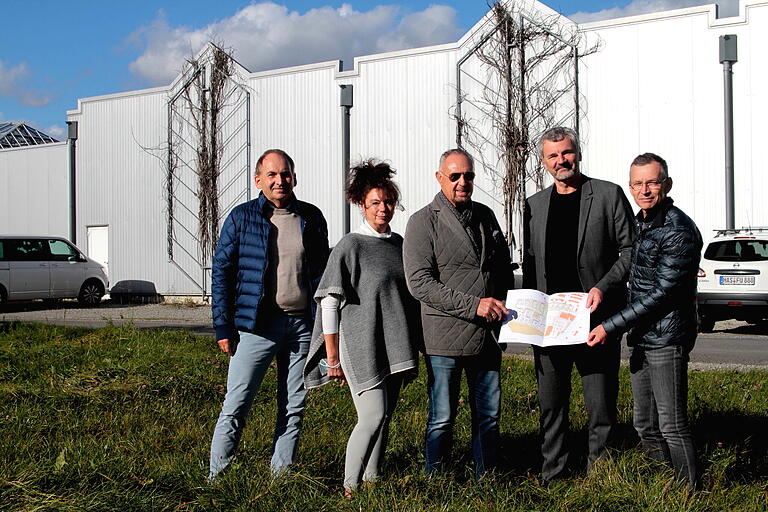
135, 290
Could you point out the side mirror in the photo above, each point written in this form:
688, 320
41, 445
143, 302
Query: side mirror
81, 258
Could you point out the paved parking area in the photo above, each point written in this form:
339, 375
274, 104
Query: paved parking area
196, 318
733, 345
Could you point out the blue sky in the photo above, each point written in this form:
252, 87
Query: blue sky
53, 53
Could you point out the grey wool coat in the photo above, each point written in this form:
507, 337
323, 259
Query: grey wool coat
379, 328
606, 232
446, 275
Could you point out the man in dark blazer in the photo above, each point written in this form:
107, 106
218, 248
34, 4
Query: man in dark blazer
578, 236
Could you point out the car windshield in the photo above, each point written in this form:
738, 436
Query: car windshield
737, 250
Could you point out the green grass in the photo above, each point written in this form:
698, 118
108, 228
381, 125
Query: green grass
120, 419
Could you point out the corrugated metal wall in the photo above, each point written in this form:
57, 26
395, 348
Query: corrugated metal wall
120, 184
34, 190
297, 110
401, 114
657, 85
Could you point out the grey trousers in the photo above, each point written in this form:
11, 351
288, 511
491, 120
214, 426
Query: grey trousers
660, 390
599, 370
368, 441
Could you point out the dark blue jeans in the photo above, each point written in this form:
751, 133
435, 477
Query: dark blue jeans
444, 374
660, 390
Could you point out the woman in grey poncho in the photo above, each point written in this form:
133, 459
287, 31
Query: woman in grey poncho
367, 329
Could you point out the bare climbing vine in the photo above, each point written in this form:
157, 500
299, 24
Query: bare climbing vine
527, 83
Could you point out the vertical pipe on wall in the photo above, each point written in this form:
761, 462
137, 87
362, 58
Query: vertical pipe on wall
72, 146
577, 109
728, 56
248, 144
730, 222
346, 113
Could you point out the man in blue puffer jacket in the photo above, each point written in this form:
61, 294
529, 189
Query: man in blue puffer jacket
270, 257
661, 313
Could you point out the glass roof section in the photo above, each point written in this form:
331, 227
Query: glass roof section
14, 135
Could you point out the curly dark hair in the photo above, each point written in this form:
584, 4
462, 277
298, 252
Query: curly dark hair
368, 175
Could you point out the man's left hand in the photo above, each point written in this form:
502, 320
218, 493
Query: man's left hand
594, 298
597, 336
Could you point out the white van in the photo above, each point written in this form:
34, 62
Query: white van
48, 267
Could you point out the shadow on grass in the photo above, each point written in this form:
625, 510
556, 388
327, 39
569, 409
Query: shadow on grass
742, 433
524, 452
518, 455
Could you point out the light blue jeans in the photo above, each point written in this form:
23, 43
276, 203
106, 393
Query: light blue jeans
286, 339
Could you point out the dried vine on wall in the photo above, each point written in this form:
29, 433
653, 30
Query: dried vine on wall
171, 167
205, 99
529, 62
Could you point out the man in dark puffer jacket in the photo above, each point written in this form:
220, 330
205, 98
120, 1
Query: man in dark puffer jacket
661, 313
270, 257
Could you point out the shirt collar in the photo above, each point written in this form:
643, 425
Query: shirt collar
656, 214
292, 205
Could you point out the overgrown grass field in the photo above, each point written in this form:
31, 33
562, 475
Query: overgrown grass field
121, 419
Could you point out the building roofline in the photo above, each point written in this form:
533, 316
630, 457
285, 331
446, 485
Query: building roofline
125, 94
710, 10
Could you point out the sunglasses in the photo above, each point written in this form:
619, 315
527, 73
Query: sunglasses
454, 176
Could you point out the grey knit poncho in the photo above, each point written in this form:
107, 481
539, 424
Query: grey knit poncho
379, 327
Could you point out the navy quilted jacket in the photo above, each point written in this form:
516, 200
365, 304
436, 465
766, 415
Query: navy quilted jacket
241, 260
661, 295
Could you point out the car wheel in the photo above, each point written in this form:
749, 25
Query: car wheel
91, 293
706, 324
3, 296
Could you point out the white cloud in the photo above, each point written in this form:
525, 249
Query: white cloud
13, 85
267, 35
56, 131
10, 76
727, 8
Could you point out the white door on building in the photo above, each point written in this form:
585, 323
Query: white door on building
98, 245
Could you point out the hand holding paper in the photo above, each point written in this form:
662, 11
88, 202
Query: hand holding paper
545, 320
597, 336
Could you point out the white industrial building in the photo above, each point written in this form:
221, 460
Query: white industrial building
655, 84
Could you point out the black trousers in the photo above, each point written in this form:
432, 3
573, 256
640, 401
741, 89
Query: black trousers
599, 371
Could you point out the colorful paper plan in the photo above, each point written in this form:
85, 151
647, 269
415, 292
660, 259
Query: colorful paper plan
545, 320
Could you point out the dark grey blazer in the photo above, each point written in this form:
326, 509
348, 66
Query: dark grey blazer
445, 274
606, 232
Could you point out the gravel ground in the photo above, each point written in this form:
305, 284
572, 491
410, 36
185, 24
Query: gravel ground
187, 313
164, 315
197, 319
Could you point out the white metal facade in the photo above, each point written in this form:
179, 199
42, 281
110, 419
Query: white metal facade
34, 190
655, 85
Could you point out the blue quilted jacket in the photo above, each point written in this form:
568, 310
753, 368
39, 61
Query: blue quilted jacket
241, 259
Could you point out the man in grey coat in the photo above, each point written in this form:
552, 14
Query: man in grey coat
457, 265
577, 238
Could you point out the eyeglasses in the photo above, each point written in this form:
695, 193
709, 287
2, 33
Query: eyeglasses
454, 176
651, 184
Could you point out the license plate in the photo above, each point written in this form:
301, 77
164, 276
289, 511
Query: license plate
738, 280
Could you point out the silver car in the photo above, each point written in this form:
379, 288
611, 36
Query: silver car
48, 267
